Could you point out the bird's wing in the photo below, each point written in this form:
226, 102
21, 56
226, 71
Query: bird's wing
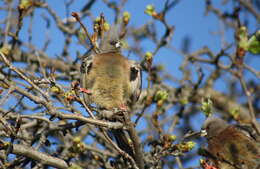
86, 64
135, 80
249, 131
238, 148
85, 69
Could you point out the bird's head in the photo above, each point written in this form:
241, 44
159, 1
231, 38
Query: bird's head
213, 126
111, 41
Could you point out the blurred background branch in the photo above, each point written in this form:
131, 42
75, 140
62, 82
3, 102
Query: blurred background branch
197, 58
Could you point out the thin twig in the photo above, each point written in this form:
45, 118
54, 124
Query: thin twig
250, 104
136, 141
76, 16
11, 67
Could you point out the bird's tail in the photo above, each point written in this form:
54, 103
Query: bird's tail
123, 142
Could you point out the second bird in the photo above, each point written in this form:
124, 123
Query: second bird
230, 146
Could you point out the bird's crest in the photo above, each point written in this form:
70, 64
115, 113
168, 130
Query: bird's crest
111, 41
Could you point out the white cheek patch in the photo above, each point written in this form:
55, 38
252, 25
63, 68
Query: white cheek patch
203, 133
118, 45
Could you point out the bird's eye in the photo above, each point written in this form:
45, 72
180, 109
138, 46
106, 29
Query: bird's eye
113, 42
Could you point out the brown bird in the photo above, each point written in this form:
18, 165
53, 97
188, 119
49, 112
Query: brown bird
114, 81
230, 147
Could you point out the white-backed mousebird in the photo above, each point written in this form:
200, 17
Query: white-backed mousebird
114, 81
231, 147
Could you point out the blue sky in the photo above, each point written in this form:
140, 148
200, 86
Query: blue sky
188, 17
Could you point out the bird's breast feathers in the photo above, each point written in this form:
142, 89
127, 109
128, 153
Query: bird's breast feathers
113, 80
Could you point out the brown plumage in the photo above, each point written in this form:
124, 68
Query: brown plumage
231, 147
113, 80
109, 80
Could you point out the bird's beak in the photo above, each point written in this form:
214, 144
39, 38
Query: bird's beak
203, 132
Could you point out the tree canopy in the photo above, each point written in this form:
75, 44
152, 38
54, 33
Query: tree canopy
210, 66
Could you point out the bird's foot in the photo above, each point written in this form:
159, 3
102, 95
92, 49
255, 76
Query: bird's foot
123, 107
84, 90
205, 165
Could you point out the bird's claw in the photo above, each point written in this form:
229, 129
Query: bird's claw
123, 107
84, 90
205, 165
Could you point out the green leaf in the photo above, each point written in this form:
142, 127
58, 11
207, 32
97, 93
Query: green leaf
254, 43
149, 9
206, 106
161, 95
243, 38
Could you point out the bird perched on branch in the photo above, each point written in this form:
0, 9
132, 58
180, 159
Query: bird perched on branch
113, 81
230, 147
